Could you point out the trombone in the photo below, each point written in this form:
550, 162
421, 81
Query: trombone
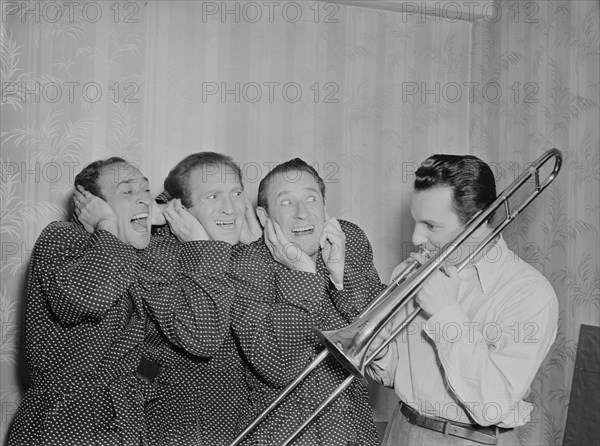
350, 345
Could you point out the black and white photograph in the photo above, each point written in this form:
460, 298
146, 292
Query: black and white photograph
304, 223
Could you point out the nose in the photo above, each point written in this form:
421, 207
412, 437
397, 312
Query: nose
145, 198
418, 238
226, 205
301, 210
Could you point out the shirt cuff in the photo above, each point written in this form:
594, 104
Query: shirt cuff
338, 285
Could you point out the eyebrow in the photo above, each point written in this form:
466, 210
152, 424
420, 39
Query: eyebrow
131, 181
217, 190
431, 222
311, 189
211, 192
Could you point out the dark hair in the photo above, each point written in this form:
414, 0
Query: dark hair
470, 179
295, 164
88, 177
177, 182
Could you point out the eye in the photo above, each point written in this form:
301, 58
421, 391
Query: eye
431, 227
128, 192
211, 197
311, 199
237, 194
286, 202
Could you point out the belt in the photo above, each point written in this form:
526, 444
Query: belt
479, 434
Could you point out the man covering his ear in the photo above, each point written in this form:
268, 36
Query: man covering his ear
84, 325
308, 272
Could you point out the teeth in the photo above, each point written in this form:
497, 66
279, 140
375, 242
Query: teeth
303, 229
140, 216
139, 221
224, 223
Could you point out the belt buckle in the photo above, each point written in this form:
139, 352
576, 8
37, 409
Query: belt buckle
447, 426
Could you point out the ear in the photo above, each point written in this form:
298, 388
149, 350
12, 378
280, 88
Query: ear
262, 215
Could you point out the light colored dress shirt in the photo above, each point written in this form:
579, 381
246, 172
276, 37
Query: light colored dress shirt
474, 361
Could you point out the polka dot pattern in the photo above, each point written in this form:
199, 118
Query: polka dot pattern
273, 317
84, 334
200, 390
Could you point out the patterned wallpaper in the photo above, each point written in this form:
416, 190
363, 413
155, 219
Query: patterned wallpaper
364, 95
545, 59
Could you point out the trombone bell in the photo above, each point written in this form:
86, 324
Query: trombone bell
344, 344
350, 345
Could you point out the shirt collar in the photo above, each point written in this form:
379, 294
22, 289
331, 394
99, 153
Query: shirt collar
488, 266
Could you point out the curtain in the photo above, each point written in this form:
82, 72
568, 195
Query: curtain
543, 57
364, 95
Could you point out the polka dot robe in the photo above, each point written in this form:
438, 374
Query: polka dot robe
200, 390
273, 316
83, 336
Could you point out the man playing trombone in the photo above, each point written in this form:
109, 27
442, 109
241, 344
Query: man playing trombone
309, 271
464, 365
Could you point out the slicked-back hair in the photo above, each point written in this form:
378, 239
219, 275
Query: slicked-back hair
88, 177
470, 179
177, 182
292, 165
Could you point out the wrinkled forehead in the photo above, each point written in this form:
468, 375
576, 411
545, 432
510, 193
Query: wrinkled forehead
117, 173
212, 175
293, 181
218, 171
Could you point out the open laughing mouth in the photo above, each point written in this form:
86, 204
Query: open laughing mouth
303, 230
225, 224
139, 222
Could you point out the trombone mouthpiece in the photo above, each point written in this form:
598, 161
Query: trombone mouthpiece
426, 252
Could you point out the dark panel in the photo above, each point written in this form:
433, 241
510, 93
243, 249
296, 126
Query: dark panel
583, 419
